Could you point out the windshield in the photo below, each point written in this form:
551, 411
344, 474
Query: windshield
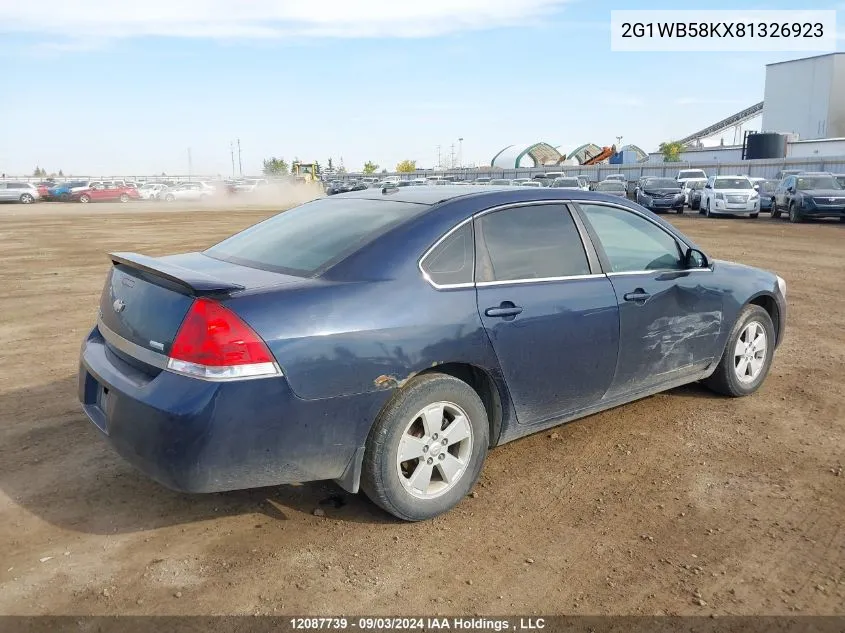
566, 182
841, 181
767, 185
615, 177
660, 183
732, 183
698, 184
610, 186
314, 236
817, 182
692, 173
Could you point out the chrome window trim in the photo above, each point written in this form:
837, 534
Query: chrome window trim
504, 282
129, 348
661, 271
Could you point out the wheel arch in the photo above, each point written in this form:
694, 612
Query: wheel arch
768, 302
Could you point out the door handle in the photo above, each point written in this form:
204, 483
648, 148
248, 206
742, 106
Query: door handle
639, 295
505, 309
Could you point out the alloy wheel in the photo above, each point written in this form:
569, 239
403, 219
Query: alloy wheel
435, 450
750, 352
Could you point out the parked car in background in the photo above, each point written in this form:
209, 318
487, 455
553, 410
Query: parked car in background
568, 182
483, 180
357, 185
532, 183
612, 187
732, 195
693, 195
63, 190
150, 191
809, 196
200, 369
517, 182
783, 173
688, 185
690, 174
840, 178
15, 191
660, 194
501, 182
101, 192
766, 190
618, 177
337, 186
187, 191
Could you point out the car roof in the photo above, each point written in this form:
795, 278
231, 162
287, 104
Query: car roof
436, 195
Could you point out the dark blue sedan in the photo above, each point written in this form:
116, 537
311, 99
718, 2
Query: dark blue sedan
388, 338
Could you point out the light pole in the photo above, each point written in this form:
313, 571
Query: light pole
461, 152
618, 142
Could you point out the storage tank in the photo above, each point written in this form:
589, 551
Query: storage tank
764, 145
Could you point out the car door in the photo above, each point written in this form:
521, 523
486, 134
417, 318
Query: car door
4, 192
549, 312
670, 314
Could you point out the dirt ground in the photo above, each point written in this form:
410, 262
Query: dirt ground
684, 503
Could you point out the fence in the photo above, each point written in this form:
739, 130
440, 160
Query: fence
763, 168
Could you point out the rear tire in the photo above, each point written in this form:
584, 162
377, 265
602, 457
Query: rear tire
124, 197
85, 198
455, 411
726, 379
169, 197
754, 216
64, 197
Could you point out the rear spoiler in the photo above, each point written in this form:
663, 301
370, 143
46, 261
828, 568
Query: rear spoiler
193, 281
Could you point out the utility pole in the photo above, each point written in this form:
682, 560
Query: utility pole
240, 164
232, 152
461, 152
452, 157
190, 165
439, 163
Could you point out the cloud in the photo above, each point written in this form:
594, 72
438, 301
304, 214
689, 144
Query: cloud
267, 19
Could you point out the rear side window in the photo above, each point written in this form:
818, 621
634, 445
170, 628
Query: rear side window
314, 236
531, 242
450, 262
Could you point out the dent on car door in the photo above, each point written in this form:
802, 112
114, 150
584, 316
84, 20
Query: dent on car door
549, 312
670, 314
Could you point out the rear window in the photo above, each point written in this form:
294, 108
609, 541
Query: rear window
310, 238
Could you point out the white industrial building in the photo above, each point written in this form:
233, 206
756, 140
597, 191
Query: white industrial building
806, 97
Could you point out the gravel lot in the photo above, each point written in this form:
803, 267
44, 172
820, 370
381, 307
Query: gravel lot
683, 503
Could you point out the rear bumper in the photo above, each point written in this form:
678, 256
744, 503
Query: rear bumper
199, 436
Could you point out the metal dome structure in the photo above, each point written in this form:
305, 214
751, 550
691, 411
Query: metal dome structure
531, 155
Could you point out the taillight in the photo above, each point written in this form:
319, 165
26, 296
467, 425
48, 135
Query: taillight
215, 344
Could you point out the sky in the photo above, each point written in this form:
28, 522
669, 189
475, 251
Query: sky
113, 87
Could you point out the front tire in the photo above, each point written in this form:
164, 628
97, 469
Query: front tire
794, 214
85, 198
754, 216
426, 449
169, 197
27, 198
775, 210
748, 355
124, 197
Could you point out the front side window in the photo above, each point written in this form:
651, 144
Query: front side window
450, 262
531, 242
631, 242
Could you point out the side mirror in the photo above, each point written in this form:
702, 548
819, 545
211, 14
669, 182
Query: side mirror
694, 258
